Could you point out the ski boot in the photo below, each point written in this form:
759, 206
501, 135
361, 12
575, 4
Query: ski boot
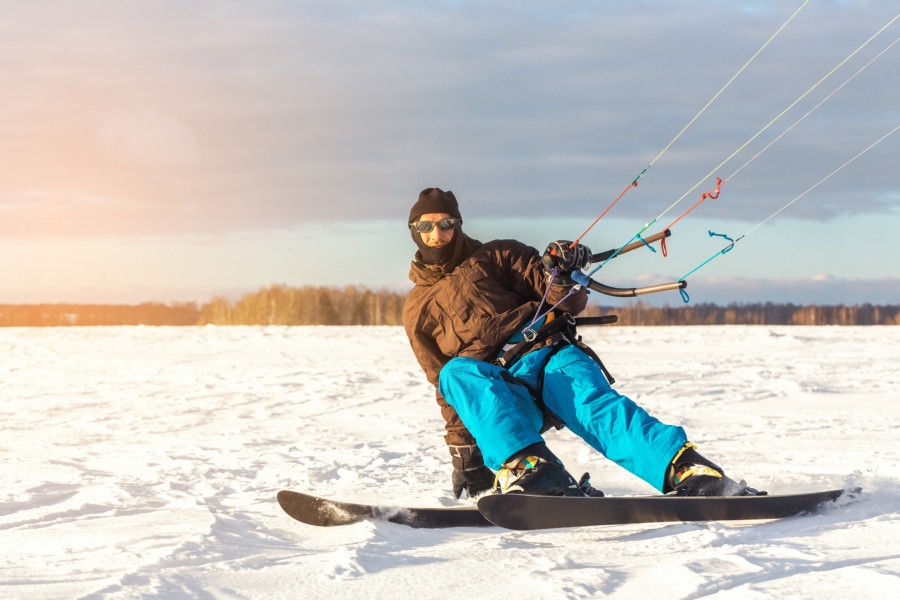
690, 474
536, 470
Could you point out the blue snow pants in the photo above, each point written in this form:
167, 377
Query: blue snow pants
504, 418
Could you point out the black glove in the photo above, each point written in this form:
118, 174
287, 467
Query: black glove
560, 257
469, 472
474, 481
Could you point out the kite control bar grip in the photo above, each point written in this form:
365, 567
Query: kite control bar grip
631, 292
602, 256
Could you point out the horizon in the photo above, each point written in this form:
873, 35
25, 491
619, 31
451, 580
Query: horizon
606, 302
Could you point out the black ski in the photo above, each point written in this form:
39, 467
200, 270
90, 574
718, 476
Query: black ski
521, 511
327, 513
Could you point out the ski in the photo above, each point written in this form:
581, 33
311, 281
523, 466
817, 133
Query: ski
521, 511
322, 512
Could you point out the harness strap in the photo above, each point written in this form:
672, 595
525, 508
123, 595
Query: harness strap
590, 352
566, 327
537, 392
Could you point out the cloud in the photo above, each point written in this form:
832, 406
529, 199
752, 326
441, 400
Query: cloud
216, 117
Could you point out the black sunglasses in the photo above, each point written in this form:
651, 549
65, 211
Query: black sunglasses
427, 226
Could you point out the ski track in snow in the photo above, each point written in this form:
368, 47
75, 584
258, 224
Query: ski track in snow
143, 463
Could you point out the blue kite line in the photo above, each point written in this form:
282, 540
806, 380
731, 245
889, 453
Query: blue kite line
727, 248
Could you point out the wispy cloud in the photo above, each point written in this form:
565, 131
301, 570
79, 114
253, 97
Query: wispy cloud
224, 116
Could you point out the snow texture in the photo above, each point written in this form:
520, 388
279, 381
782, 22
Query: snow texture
144, 462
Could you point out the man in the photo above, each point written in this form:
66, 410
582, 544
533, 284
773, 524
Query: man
470, 301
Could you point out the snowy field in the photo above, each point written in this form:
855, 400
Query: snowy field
144, 462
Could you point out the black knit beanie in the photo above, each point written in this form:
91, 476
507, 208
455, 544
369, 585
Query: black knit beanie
434, 200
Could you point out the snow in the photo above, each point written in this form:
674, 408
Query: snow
144, 462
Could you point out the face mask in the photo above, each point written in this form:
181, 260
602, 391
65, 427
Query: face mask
435, 256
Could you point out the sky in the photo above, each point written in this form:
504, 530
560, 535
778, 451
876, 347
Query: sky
179, 151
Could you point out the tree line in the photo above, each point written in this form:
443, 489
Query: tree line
273, 305
56, 315
767, 313
354, 305
307, 305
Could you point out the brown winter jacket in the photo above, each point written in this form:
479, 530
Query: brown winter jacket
473, 309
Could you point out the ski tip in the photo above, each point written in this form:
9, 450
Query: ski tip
323, 512
850, 494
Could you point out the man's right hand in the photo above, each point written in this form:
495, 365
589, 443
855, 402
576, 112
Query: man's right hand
469, 472
474, 481
565, 257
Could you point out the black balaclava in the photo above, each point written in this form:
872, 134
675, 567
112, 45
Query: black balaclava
436, 200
